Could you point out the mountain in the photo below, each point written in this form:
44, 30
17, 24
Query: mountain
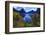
22, 10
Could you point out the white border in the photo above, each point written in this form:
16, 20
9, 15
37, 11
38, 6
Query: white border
11, 29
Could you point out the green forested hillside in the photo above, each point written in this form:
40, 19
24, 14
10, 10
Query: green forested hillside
18, 22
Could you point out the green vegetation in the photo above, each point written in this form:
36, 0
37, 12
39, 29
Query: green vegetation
18, 22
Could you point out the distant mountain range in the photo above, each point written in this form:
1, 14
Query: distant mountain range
22, 10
